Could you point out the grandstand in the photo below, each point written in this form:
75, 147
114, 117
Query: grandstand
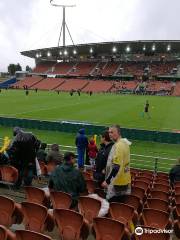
28, 81
48, 84
107, 67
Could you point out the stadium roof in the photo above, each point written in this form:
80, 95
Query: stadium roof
105, 49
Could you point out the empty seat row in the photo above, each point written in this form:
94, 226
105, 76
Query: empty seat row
6, 234
37, 217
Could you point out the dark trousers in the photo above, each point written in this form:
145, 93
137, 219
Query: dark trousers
26, 175
81, 153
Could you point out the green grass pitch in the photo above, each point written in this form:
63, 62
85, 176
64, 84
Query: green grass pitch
125, 110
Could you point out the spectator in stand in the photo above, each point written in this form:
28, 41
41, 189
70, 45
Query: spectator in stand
81, 144
102, 157
92, 152
68, 179
118, 177
22, 153
174, 174
54, 155
41, 153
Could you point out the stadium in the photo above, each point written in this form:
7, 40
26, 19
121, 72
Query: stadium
134, 84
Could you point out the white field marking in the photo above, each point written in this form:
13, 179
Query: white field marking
37, 109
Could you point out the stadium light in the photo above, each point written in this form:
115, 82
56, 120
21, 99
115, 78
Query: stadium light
91, 50
114, 49
60, 53
48, 54
153, 48
65, 52
63, 5
37, 55
169, 48
60, 3
74, 52
144, 48
128, 49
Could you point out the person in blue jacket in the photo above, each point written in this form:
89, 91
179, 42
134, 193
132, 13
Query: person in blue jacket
81, 144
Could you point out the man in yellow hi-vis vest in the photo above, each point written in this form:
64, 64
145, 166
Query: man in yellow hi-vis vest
118, 178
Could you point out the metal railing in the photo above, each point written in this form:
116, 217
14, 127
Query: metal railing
149, 162
154, 163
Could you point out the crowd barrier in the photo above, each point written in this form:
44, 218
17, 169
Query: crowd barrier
73, 127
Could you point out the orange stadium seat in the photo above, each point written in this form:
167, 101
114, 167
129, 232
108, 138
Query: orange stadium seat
36, 217
30, 235
177, 190
142, 184
44, 67
110, 229
75, 84
69, 222
109, 69
82, 69
98, 86
176, 184
10, 212
158, 204
6, 234
155, 218
89, 208
36, 195
161, 175
162, 181
123, 213
63, 68
28, 81
60, 200
135, 202
143, 179
159, 194
9, 174
139, 192
176, 199
48, 84
161, 187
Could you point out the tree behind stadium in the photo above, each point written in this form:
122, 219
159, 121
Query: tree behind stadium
12, 68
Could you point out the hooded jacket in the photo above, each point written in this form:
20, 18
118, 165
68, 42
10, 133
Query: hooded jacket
81, 140
67, 179
92, 149
23, 149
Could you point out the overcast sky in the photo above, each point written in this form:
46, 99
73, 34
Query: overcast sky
31, 24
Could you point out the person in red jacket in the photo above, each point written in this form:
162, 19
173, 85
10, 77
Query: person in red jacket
92, 152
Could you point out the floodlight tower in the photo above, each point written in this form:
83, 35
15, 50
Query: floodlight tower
64, 25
